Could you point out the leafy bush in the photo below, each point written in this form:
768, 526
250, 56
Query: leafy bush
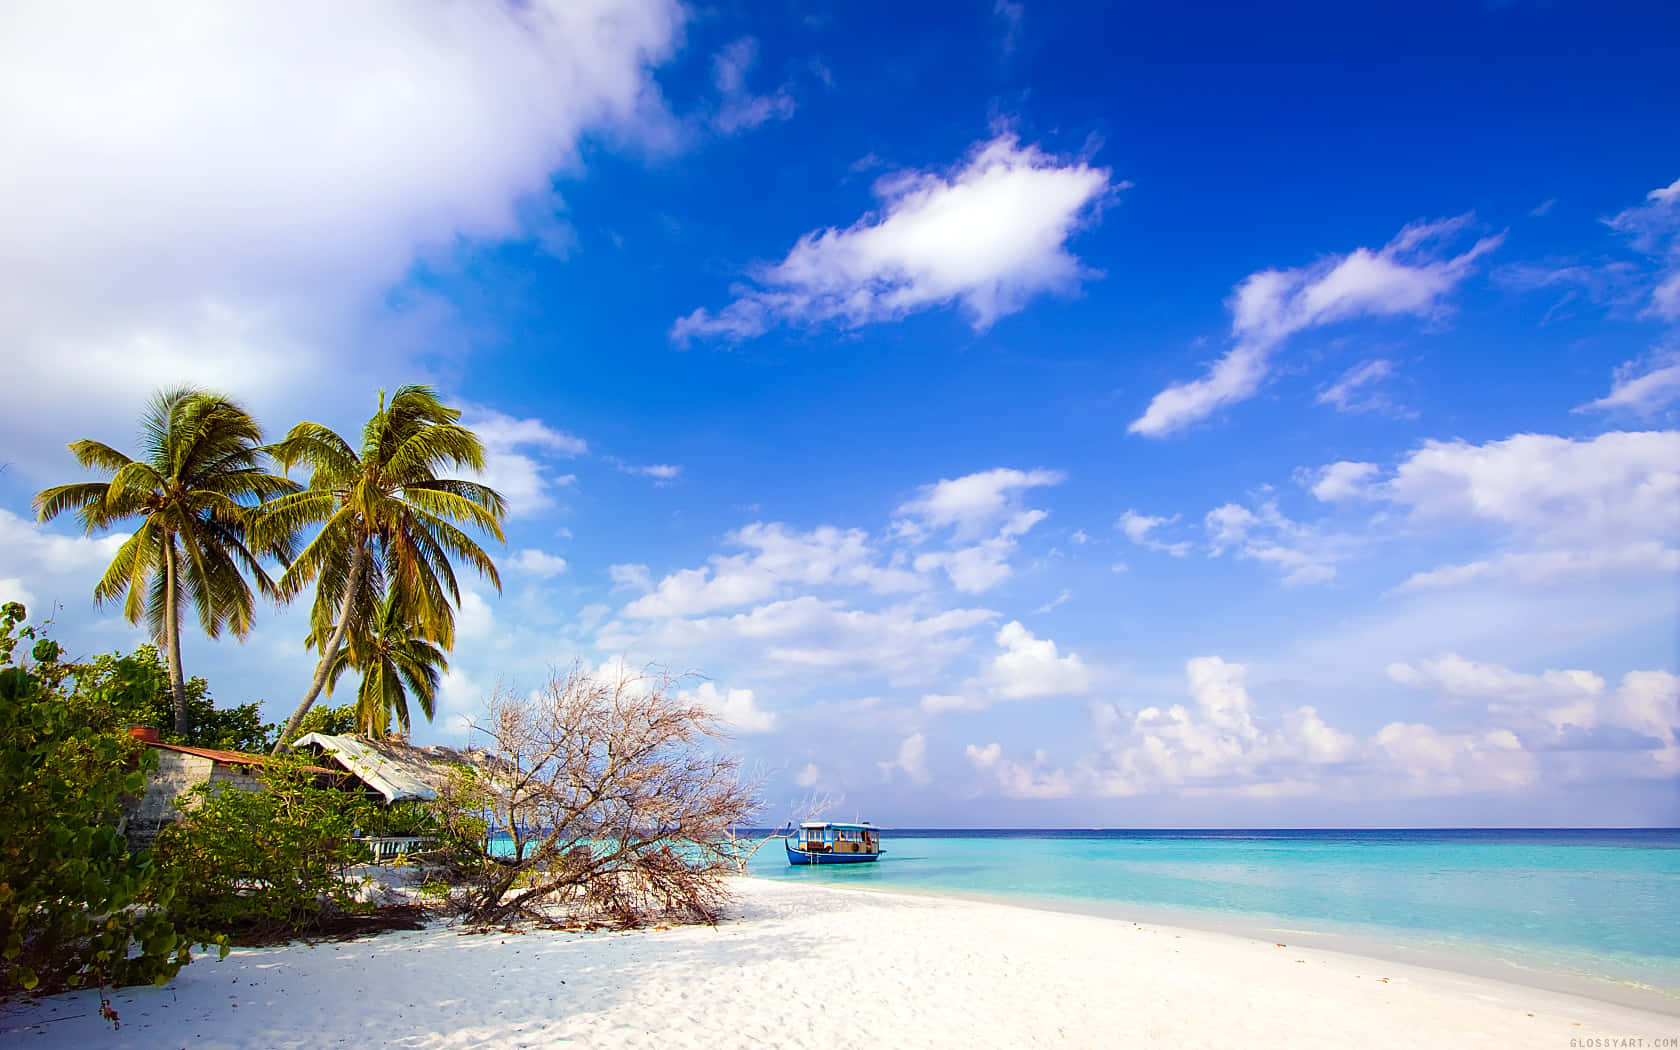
69, 887
117, 690
264, 863
334, 721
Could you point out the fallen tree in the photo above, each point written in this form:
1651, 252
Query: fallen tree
604, 795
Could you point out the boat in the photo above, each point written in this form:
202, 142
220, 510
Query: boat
820, 842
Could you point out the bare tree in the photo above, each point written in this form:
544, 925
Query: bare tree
607, 794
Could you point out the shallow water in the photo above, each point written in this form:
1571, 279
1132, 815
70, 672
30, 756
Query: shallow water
1601, 904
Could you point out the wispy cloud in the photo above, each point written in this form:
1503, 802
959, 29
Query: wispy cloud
1409, 276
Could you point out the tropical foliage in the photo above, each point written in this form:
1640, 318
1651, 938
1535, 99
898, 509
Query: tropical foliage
68, 883
388, 526
259, 863
193, 493
118, 690
395, 661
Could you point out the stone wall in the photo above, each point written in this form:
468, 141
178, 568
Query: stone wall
177, 773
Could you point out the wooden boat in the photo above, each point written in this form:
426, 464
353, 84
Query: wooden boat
818, 842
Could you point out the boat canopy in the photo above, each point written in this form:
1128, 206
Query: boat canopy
865, 826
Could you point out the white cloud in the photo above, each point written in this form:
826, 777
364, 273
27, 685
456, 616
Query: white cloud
1343, 480
475, 620
1571, 710
778, 557
973, 503
1549, 567
1616, 486
946, 703
1139, 528
989, 236
737, 708
13, 590
740, 109
1644, 387
511, 459
264, 223
27, 548
1654, 228
1030, 667
1434, 762
807, 635
1062, 598
1353, 390
808, 775
538, 563
1303, 554
630, 577
1408, 276
1220, 741
1018, 779
911, 760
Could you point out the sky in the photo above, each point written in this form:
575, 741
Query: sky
1014, 414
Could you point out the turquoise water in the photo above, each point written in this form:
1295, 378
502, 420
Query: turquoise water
1597, 904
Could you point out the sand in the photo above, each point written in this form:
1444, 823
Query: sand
804, 967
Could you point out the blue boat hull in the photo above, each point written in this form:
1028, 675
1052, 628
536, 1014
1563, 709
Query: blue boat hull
799, 856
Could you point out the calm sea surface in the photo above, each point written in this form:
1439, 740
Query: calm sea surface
1581, 903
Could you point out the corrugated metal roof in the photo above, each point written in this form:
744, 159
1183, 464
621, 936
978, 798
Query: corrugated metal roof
394, 775
230, 758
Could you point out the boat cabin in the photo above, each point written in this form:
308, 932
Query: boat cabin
819, 837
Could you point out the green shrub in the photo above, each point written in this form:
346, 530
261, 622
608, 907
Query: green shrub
70, 890
117, 690
264, 863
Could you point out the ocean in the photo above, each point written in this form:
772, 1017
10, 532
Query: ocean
1590, 905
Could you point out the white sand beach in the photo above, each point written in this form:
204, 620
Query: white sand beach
800, 967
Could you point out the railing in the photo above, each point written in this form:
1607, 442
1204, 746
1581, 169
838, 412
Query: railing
389, 849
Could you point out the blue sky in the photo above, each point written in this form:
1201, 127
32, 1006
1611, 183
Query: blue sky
1020, 413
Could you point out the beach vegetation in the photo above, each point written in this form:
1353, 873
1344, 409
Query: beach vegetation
387, 527
193, 495
261, 864
601, 794
77, 907
396, 661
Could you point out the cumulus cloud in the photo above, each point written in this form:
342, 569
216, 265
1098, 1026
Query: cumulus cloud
265, 221
1566, 710
537, 563
736, 708
1302, 553
1409, 276
776, 557
1029, 667
809, 635
1559, 507
515, 451
970, 507
989, 236
1344, 480
911, 760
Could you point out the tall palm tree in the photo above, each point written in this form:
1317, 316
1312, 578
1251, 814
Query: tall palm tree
388, 524
194, 491
395, 660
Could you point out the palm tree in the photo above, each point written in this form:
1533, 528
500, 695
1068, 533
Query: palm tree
395, 661
388, 524
194, 493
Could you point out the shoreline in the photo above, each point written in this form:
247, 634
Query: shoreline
1467, 959
794, 964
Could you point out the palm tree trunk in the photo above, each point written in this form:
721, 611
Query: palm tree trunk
172, 641
358, 567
